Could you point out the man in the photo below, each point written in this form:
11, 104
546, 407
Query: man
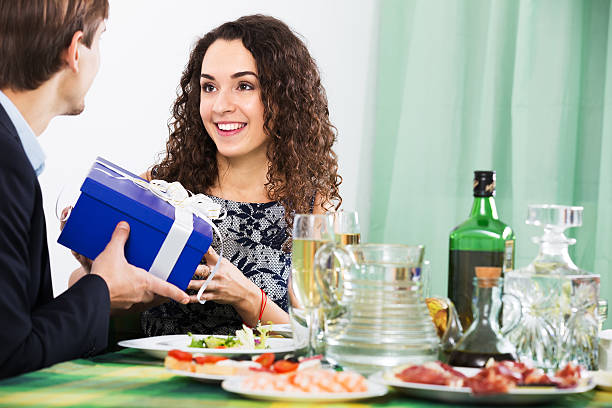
49, 56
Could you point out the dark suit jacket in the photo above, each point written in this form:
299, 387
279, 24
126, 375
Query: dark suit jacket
37, 330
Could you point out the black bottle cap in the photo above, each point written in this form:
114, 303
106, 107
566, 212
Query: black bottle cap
484, 183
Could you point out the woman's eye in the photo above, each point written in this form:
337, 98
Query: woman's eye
245, 86
208, 88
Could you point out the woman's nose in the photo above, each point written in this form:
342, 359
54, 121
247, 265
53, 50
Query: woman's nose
223, 102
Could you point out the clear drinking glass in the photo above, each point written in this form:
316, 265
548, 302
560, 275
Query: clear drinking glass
346, 227
310, 232
68, 196
346, 232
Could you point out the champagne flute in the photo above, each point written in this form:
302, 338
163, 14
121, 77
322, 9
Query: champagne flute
346, 227
346, 232
68, 196
310, 232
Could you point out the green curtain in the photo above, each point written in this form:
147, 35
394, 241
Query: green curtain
520, 87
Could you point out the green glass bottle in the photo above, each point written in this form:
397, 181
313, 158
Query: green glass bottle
481, 240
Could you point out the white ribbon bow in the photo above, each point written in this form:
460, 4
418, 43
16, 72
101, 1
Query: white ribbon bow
174, 193
186, 205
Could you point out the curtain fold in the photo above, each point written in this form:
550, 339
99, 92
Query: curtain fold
520, 87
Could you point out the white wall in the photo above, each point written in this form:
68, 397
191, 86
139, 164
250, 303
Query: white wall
144, 50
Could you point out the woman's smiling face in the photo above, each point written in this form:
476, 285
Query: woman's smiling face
230, 100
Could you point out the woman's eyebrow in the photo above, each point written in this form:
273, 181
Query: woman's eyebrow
243, 73
236, 75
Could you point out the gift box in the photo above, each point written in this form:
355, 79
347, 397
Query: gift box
165, 238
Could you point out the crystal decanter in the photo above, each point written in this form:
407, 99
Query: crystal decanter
559, 321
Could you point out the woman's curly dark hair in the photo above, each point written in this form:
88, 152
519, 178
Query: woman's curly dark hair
296, 117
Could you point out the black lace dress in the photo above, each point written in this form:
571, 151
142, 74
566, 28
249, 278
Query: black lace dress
253, 238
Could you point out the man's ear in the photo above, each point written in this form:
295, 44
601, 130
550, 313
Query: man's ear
71, 55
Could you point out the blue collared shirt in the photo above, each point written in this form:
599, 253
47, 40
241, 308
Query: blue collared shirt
26, 134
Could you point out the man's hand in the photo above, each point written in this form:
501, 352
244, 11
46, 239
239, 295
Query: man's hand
76, 275
127, 284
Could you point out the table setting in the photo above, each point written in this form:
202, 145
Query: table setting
363, 327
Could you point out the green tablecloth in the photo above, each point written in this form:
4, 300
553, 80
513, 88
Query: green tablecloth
131, 379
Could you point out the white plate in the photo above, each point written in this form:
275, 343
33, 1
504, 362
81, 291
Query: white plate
160, 345
279, 329
207, 378
235, 385
463, 395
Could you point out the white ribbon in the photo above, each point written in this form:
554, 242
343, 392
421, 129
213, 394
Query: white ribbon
173, 245
186, 205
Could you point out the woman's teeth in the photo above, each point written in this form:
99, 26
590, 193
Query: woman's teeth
230, 126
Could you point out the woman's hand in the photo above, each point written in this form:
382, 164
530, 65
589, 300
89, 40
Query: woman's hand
85, 262
229, 285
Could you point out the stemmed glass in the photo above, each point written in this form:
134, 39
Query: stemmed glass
310, 232
346, 227
68, 196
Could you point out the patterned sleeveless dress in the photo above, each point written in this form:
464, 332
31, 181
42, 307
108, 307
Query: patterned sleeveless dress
253, 238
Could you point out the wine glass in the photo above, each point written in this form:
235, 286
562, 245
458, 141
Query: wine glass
310, 232
346, 227
68, 196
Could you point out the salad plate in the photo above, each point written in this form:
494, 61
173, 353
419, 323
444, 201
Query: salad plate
283, 329
234, 385
526, 395
159, 346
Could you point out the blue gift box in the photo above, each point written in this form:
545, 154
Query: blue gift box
108, 197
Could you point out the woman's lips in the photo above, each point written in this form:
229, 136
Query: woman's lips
229, 128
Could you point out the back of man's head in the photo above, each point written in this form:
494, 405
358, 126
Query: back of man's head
34, 33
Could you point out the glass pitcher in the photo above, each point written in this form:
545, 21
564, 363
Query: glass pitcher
484, 339
376, 316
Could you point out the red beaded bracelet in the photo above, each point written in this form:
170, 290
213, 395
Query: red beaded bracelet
264, 301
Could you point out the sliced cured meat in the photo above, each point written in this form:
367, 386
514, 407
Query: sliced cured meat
436, 373
569, 376
496, 377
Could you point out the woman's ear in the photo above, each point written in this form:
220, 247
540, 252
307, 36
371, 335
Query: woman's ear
71, 54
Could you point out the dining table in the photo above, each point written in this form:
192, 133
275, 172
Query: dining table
132, 378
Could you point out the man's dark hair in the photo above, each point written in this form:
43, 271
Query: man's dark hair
34, 33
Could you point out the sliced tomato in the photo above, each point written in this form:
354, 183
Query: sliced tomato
221, 347
180, 355
284, 366
209, 359
265, 359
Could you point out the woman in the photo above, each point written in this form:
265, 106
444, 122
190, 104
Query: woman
251, 130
